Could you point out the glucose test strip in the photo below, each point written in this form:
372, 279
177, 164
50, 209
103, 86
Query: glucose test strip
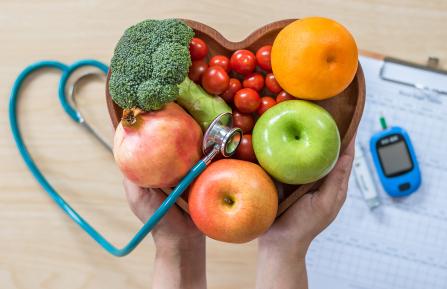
364, 179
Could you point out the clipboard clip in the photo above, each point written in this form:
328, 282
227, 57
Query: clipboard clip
432, 66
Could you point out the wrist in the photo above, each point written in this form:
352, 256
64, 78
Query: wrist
281, 267
179, 245
286, 254
180, 264
283, 248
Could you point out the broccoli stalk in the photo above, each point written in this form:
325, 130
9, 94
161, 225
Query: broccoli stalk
150, 67
202, 106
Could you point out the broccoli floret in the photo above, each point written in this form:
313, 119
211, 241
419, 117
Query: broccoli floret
135, 67
173, 30
152, 95
150, 59
138, 39
123, 89
169, 63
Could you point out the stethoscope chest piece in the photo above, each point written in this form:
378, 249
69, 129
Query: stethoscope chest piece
221, 136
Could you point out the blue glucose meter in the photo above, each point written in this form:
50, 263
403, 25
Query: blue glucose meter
395, 161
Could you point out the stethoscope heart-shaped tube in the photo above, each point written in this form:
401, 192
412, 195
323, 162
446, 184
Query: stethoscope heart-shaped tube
220, 137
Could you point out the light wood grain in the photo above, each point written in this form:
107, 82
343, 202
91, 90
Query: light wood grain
39, 246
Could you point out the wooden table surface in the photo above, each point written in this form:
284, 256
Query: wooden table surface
39, 246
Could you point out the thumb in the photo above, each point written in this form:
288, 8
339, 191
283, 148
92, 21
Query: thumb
143, 202
334, 188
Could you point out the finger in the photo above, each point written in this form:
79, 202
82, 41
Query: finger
332, 191
350, 148
133, 192
137, 195
342, 193
143, 202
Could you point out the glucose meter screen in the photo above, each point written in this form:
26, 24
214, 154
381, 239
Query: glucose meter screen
395, 158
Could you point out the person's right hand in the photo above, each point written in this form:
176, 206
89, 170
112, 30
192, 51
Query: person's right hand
282, 249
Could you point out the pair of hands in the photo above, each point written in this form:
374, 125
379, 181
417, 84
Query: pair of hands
180, 257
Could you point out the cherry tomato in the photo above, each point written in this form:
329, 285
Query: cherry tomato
197, 69
283, 96
220, 60
254, 80
263, 57
244, 121
245, 149
215, 80
234, 86
198, 49
247, 100
266, 103
272, 84
243, 61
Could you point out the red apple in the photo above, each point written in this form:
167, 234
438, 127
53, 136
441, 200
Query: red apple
233, 201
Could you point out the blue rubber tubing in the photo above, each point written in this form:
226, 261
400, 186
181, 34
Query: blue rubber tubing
72, 113
43, 182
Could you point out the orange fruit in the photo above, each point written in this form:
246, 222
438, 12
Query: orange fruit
314, 58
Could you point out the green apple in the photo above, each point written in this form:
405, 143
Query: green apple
296, 142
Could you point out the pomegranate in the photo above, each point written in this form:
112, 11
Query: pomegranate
156, 149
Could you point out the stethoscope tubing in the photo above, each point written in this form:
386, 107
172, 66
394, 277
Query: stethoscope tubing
43, 182
82, 121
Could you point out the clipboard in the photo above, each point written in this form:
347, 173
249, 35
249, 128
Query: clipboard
431, 66
396, 245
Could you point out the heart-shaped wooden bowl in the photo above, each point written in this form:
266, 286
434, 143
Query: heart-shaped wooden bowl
346, 108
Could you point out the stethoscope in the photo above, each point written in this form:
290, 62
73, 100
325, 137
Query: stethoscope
220, 137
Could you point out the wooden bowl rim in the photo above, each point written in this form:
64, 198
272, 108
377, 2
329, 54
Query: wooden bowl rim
235, 45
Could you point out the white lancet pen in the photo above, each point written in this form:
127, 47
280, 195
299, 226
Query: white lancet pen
364, 178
